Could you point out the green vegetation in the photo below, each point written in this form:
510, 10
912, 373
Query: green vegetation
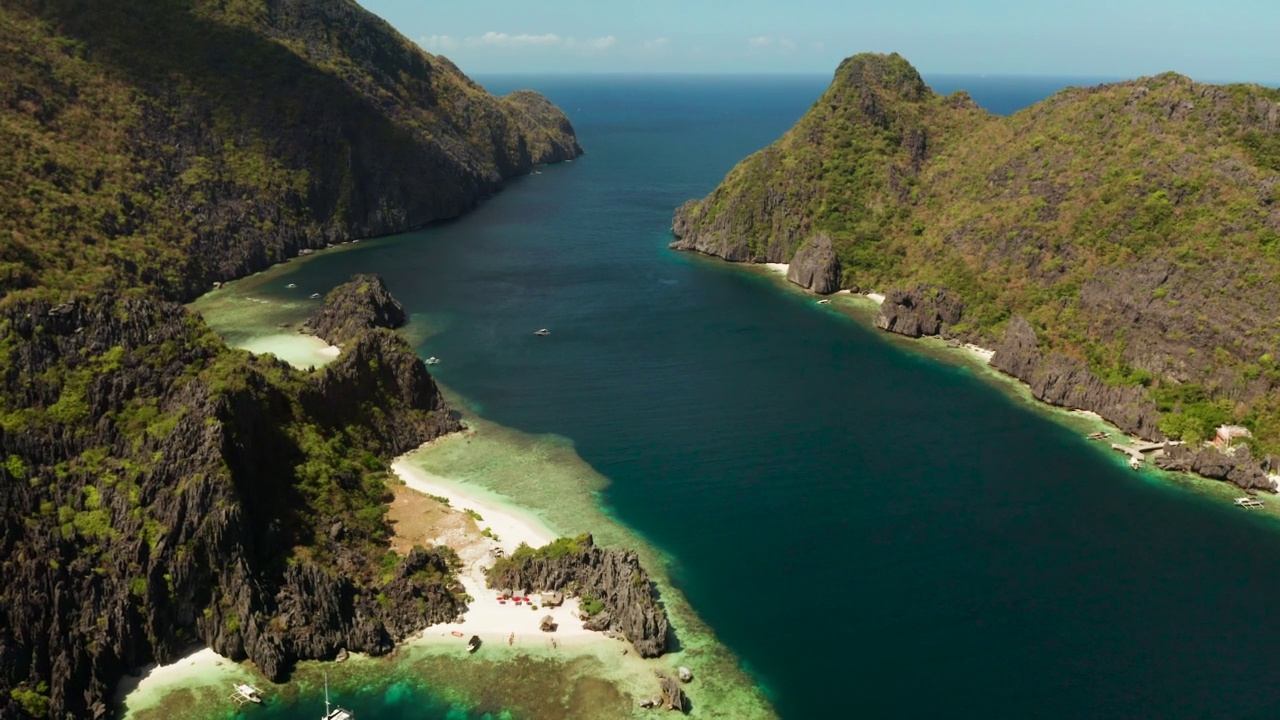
35, 702
1134, 225
147, 150
523, 555
590, 605
473, 514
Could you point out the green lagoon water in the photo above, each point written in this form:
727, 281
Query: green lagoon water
871, 531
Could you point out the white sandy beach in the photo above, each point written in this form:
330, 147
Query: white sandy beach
497, 623
780, 268
984, 354
300, 351
199, 670
877, 297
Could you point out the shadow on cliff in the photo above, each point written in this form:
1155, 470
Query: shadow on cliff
212, 90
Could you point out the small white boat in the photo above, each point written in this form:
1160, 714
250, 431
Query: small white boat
291, 285
1135, 463
544, 332
315, 296
433, 360
336, 713
246, 693
825, 301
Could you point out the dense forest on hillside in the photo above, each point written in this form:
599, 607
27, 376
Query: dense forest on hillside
1134, 226
159, 488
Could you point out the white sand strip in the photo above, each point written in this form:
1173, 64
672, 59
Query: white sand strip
780, 268
201, 669
877, 297
497, 623
983, 353
300, 351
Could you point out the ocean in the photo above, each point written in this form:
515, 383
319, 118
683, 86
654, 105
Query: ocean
873, 530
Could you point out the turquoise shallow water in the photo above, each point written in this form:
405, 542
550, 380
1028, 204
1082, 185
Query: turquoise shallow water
873, 532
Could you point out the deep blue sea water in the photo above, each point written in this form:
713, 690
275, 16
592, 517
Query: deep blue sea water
874, 533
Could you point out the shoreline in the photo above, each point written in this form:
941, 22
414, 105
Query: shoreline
980, 357
495, 623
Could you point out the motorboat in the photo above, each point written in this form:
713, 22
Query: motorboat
543, 332
473, 644
433, 360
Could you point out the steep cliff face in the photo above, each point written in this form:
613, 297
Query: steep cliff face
361, 303
160, 490
1132, 226
815, 266
614, 578
193, 141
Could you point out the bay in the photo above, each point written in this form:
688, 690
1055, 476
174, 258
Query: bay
872, 531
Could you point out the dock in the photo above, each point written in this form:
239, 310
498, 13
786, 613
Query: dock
1138, 452
1248, 503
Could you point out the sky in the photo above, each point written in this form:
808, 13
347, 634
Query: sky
1212, 40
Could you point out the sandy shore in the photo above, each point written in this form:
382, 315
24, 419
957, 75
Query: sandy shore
497, 623
780, 268
300, 351
877, 297
202, 669
984, 354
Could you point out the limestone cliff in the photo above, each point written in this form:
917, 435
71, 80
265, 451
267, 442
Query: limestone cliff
614, 578
1131, 228
361, 303
158, 488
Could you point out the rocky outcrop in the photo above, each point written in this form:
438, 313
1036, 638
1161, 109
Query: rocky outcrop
815, 266
1237, 467
373, 384
360, 304
922, 310
157, 490
1066, 382
673, 697
612, 577
329, 126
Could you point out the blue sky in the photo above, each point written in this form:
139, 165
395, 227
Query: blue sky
1206, 39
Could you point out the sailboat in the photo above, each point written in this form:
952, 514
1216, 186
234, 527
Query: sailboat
335, 713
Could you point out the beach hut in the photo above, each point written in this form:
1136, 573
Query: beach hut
552, 599
548, 624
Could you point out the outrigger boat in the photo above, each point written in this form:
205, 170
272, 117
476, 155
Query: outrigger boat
245, 693
825, 301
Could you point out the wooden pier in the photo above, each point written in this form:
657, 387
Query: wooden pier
1138, 452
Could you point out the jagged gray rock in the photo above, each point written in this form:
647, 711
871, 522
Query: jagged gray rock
815, 266
1066, 382
614, 577
361, 303
673, 695
1238, 467
922, 310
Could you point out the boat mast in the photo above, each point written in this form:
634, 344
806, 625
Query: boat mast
326, 695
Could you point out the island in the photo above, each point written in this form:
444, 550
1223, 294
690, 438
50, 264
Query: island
160, 488
1116, 247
